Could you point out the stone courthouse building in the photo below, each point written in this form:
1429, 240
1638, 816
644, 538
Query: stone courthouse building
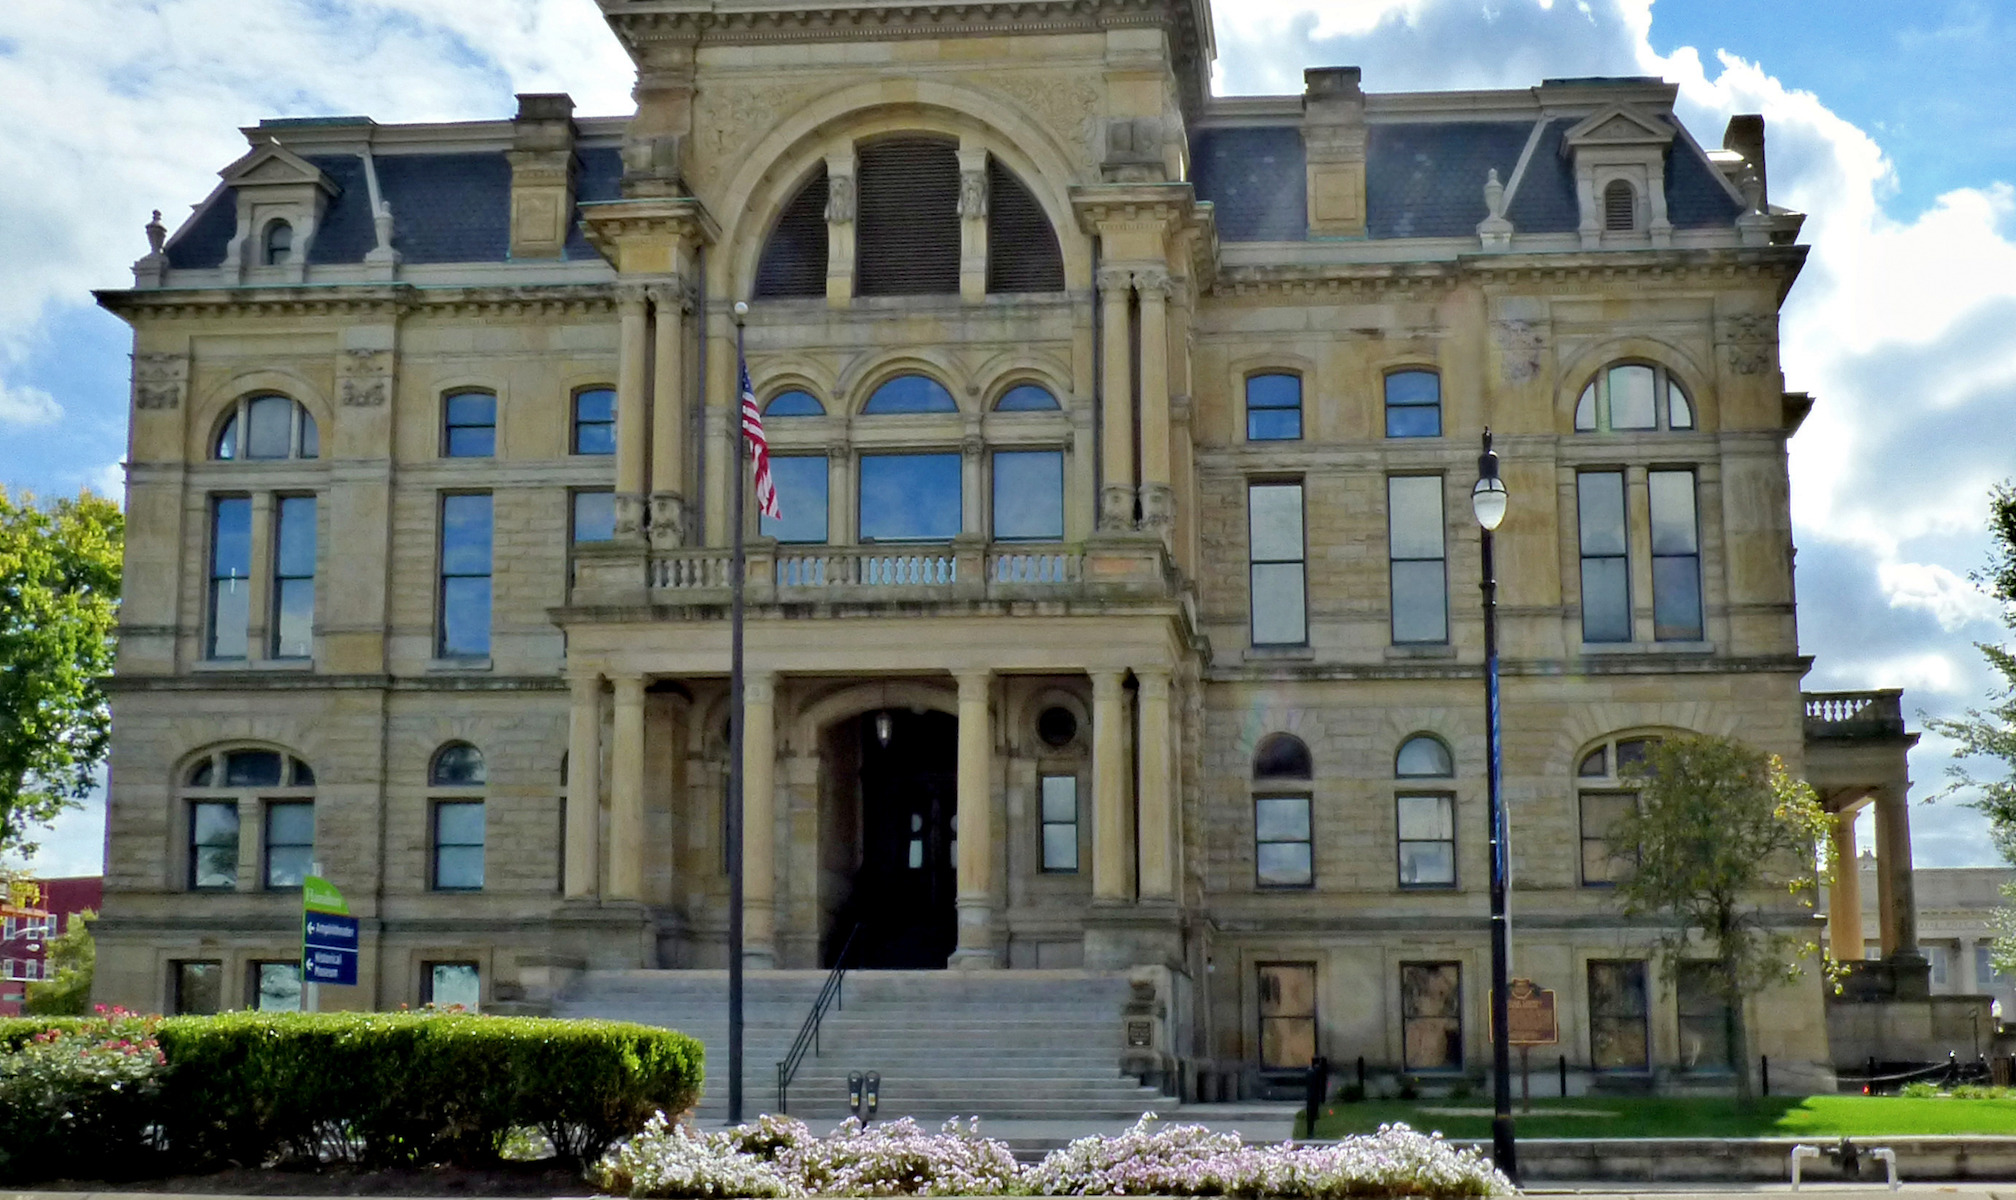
1122, 622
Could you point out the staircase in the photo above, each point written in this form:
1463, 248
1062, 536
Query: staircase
1001, 1045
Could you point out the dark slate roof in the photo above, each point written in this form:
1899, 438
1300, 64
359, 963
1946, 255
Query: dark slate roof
1695, 197
446, 208
1254, 177
1545, 201
1424, 180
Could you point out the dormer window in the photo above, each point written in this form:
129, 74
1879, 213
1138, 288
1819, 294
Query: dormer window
1620, 207
277, 249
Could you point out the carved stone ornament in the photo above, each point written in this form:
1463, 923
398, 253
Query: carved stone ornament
159, 380
1750, 338
157, 234
972, 193
1152, 282
839, 198
364, 378
1115, 281
1521, 344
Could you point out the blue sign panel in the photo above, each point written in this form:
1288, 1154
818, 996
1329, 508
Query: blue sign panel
329, 949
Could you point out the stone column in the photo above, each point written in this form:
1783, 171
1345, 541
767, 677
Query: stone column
1897, 905
839, 493
840, 226
668, 417
626, 790
584, 786
1158, 799
1844, 895
1157, 496
976, 824
759, 820
972, 221
632, 423
1112, 852
1116, 429
974, 508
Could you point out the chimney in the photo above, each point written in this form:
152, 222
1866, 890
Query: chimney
1333, 145
542, 175
1745, 136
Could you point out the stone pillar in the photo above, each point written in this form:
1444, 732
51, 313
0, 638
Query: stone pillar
759, 820
1158, 798
1116, 429
840, 226
1896, 903
584, 786
626, 790
1112, 852
668, 417
1844, 895
1157, 496
976, 824
974, 510
972, 221
632, 425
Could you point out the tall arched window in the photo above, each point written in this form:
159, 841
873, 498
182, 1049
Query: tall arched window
794, 257
906, 229
1026, 397
1605, 792
1425, 813
227, 792
265, 427
455, 781
277, 248
1283, 840
794, 404
1633, 396
910, 394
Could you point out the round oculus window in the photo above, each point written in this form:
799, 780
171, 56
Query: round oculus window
1056, 726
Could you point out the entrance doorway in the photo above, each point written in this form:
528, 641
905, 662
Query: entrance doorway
904, 893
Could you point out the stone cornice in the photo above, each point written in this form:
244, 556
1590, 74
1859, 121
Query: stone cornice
304, 681
607, 224
1780, 264
1608, 664
385, 301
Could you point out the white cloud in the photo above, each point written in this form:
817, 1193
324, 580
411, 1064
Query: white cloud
23, 405
1950, 597
110, 481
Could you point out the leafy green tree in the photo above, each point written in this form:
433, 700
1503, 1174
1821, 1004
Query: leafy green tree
71, 957
1990, 732
59, 597
1718, 828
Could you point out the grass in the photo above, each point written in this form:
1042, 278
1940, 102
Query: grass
1635, 1117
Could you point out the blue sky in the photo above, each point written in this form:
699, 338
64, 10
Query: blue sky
1888, 125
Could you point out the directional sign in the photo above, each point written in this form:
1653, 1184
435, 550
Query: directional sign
329, 949
319, 895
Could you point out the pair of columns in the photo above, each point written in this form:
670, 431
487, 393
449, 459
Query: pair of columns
651, 411
1119, 287
1114, 854
1896, 903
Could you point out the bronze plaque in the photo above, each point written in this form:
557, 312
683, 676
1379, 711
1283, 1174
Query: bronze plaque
1529, 1015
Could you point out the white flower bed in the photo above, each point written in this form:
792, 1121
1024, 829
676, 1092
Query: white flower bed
779, 1157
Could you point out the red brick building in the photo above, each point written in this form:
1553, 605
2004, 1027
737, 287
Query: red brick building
25, 934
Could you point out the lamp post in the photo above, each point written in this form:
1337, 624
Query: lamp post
1487, 501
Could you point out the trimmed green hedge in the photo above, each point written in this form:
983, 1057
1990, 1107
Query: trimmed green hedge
399, 1088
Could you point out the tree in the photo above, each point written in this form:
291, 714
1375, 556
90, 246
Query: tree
72, 956
1990, 732
1719, 826
59, 596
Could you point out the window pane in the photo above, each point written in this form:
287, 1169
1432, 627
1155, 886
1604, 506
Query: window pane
1617, 1038
294, 618
471, 425
1631, 405
465, 535
794, 404
1060, 847
472, 441
1676, 599
1060, 797
454, 983
1413, 404
594, 516
458, 868
1431, 1016
1427, 863
1426, 818
1029, 495
295, 552
1274, 513
252, 768
1606, 601
1281, 818
1595, 765
472, 408
231, 540
1413, 388
1274, 391
910, 497
459, 823
595, 421
1026, 397
199, 988
227, 439
1414, 422
279, 986
1273, 408
1420, 602
1704, 1019
1679, 411
1273, 424
269, 427
1674, 529
1585, 410
1414, 515
213, 845
465, 617
1601, 499
1283, 864
1279, 618
287, 866
1423, 758
1282, 756
801, 492
457, 765
910, 394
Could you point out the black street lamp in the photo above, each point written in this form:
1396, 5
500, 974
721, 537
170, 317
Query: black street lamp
1487, 500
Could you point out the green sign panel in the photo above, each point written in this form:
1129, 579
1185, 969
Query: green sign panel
319, 895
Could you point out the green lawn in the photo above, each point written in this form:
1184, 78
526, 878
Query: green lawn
1628, 1117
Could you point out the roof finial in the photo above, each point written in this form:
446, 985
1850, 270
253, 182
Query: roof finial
157, 234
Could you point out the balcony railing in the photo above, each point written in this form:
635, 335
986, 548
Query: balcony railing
1854, 714
787, 573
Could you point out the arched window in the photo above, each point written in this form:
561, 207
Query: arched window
1413, 404
277, 248
1424, 816
1620, 207
1026, 397
594, 421
267, 427
910, 394
228, 791
1022, 252
1273, 408
1606, 790
1632, 396
1283, 839
455, 782
794, 257
906, 230
794, 404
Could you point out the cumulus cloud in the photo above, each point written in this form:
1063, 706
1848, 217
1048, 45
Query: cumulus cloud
1954, 600
24, 405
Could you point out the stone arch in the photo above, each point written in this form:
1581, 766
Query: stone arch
207, 415
861, 377
1695, 377
821, 712
1011, 369
1671, 719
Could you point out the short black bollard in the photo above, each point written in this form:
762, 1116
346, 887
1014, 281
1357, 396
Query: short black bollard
1361, 1077
1315, 1088
1764, 1074
1564, 1077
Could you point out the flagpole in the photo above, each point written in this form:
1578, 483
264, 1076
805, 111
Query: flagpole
736, 569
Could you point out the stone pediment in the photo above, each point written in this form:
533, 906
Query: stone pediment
270, 164
1618, 125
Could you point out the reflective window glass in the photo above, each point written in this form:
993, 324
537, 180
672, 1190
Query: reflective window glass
1060, 822
801, 481
252, 768
1026, 397
290, 842
1632, 405
269, 428
1420, 597
910, 394
1606, 585
458, 845
465, 576
794, 404
594, 516
1028, 495
1282, 843
455, 765
1273, 408
1427, 840
595, 421
910, 497
454, 984
230, 576
470, 429
1282, 756
277, 986
199, 987
1423, 757
1676, 557
1413, 404
294, 577
213, 845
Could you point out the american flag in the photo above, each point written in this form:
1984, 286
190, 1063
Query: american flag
759, 448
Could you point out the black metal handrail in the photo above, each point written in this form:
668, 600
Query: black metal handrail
830, 996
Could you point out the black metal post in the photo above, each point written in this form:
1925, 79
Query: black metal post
1504, 1149
736, 569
